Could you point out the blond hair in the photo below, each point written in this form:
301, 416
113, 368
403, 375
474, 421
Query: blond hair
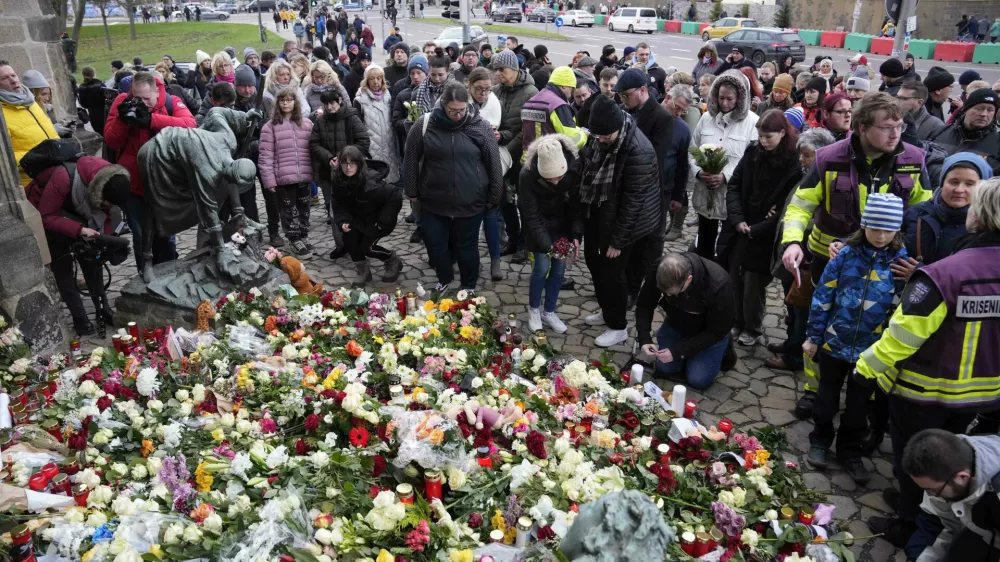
984, 212
270, 83
373, 71
681, 77
165, 72
299, 61
325, 68
976, 85
218, 59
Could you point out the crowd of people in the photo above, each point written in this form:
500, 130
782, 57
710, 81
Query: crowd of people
869, 199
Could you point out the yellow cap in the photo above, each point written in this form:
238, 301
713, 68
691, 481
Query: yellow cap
563, 76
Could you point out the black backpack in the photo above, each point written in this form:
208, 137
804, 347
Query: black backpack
49, 153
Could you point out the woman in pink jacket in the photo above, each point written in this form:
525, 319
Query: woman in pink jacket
285, 167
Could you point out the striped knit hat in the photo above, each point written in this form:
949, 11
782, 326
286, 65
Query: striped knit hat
796, 117
884, 211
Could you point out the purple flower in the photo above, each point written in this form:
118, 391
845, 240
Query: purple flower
823, 514
727, 520
513, 512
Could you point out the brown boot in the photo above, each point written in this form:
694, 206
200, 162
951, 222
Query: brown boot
364, 273
393, 265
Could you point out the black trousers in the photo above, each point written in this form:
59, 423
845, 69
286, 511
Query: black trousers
640, 264
854, 420
361, 246
62, 269
609, 274
708, 232
904, 426
970, 546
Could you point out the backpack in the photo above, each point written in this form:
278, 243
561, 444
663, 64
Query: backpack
49, 153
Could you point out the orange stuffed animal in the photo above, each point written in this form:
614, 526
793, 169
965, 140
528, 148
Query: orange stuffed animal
298, 278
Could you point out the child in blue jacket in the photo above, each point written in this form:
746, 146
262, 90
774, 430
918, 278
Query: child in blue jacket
851, 306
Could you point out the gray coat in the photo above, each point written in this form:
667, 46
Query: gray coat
926, 124
377, 115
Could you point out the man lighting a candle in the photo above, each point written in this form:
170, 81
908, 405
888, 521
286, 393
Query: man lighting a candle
697, 297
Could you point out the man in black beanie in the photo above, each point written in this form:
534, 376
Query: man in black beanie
608, 59
621, 187
541, 59
892, 72
939, 82
973, 129
396, 69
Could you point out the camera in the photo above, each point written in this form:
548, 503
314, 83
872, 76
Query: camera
129, 108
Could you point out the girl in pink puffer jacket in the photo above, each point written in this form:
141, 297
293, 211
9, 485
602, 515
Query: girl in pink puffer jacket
285, 167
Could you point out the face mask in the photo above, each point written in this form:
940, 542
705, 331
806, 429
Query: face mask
706, 59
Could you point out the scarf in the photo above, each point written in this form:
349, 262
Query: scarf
81, 202
427, 94
378, 95
599, 176
947, 215
231, 79
24, 98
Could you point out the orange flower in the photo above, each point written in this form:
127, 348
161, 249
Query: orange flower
147, 447
342, 331
353, 349
271, 324
593, 408
201, 512
436, 437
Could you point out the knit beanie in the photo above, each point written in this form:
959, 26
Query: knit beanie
858, 80
231, 52
892, 68
504, 59
33, 79
884, 211
397, 47
938, 79
985, 171
817, 83
245, 76
982, 95
541, 51
783, 83
540, 77
608, 50
968, 77
628, 51
417, 61
605, 116
249, 52
364, 53
200, 57
796, 117
551, 162
859, 59
563, 76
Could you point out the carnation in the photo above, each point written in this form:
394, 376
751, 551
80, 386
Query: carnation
146, 383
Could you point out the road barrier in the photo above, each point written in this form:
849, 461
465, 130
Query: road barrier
882, 46
922, 48
954, 51
859, 42
833, 39
690, 28
810, 36
987, 53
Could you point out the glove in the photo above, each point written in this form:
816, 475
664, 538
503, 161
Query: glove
862, 380
143, 117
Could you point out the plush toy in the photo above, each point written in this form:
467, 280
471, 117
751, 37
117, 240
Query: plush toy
236, 243
298, 278
203, 314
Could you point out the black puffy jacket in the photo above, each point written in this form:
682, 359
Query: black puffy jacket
400, 115
550, 212
954, 138
352, 82
331, 133
633, 210
371, 207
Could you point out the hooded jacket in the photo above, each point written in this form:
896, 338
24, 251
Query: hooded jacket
27, 124
512, 99
91, 96
926, 125
955, 138
284, 153
701, 68
51, 192
734, 131
550, 211
370, 207
377, 117
126, 140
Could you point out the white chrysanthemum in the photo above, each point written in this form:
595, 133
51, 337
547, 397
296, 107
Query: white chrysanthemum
146, 383
277, 457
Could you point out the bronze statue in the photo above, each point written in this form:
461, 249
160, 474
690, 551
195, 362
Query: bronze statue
618, 527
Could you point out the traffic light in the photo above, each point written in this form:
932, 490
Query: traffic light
451, 9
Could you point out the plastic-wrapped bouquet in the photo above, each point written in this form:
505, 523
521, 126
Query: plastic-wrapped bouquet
712, 159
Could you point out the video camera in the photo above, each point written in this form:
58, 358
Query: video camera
101, 249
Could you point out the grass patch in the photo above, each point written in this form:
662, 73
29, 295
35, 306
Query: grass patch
501, 29
179, 40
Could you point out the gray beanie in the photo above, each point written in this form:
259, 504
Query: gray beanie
586, 61
504, 59
249, 52
32, 79
245, 76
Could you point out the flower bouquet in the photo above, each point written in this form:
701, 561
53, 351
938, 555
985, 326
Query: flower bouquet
413, 111
561, 249
712, 159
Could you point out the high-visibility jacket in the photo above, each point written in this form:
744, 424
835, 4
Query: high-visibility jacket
941, 344
838, 185
548, 112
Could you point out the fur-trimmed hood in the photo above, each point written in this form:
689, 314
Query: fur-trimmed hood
708, 46
739, 82
95, 189
570, 151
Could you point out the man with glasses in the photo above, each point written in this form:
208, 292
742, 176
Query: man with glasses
912, 98
974, 128
959, 476
467, 63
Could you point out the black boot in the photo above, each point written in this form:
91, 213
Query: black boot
82, 326
804, 407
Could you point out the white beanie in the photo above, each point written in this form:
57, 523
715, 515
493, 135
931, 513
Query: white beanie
551, 162
200, 56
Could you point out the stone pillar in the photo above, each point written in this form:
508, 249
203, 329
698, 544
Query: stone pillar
23, 295
29, 39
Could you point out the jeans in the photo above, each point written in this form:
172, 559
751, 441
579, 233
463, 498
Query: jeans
491, 228
163, 248
854, 420
441, 234
751, 293
702, 368
708, 232
547, 274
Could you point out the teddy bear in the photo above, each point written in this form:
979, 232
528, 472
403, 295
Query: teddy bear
298, 278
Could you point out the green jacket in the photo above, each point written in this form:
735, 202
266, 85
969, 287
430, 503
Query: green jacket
512, 98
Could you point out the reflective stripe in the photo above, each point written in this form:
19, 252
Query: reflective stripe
811, 370
905, 337
968, 393
969, 344
803, 204
831, 178
796, 224
872, 360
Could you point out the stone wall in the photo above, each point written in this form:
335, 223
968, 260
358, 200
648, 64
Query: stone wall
29, 38
935, 18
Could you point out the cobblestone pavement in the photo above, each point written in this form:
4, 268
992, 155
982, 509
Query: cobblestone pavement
750, 395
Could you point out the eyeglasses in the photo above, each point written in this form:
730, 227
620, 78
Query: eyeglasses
888, 129
456, 113
937, 493
841, 111
907, 97
479, 90
628, 93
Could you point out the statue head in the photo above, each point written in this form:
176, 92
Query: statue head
620, 526
242, 172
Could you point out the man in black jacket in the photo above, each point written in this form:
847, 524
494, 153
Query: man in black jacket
697, 298
399, 56
657, 76
735, 60
621, 186
973, 129
352, 82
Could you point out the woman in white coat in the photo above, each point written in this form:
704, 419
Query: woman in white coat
728, 123
374, 105
480, 85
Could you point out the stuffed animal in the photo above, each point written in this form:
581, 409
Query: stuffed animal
203, 314
298, 278
236, 243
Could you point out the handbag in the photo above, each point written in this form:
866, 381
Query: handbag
801, 297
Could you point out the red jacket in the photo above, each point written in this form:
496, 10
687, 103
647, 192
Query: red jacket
128, 139
51, 194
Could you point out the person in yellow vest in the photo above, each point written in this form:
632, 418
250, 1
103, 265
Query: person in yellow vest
26, 120
937, 361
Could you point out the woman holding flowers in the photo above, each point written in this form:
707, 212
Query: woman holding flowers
728, 124
553, 221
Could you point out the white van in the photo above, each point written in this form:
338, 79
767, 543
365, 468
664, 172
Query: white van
633, 19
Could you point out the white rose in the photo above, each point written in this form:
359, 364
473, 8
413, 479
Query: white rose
227, 420
173, 534
118, 546
181, 395
319, 459
456, 478
128, 555
186, 408
97, 519
99, 438
192, 534
539, 362
243, 426
212, 523
87, 388
153, 465
154, 405
100, 495
324, 536
198, 393
75, 515
528, 354
123, 506
120, 467
139, 472
88, 477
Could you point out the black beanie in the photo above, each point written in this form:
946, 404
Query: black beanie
117, 190
817, 83
608, 50
541, 51
540, 77
938, 79
605, 116
892, 68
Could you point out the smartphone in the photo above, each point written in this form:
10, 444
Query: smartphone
798, 277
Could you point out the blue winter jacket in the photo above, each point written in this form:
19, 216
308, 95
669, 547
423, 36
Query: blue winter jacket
853, 301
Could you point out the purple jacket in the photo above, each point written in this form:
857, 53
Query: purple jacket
284, 153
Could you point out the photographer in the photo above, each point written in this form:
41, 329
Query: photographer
135, 117
73, 213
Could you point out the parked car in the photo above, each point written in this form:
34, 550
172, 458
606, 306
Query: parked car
541, 15
725, 26
228, 8
578, 17
507, 13
352, 5
207, 14
764, 44
451, 34
265, 5
632, 20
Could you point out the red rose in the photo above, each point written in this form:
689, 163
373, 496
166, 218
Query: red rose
630, 420
312, 422
78, 441
545, 533
378, 466
103, 403
359, 437
475, 521
536, 445
301, 447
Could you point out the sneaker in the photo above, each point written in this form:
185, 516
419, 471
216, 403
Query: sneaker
411, 218
611, 337
804, 407
891, 497
534, 319
595, 319
276, 240
299, 249
776, 347
817, 457
520, 256
308, 245
735, 333
747, 339
856, 470
316, 200
496, 273
551, 320
892, 529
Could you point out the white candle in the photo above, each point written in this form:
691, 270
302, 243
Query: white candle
680, 396
636, 377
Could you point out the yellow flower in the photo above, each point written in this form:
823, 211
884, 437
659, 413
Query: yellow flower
762, 456
445, 305
431, 318
471, 333
510, 535
458, 556
203, 478
435, 332
156, 551
219, 435
429, 306
380, 341
498, 521
89, 555
385, 556
147, 447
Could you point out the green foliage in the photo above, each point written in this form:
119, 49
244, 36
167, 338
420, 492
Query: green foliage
745, 11
783, 17
771, 438
715, 12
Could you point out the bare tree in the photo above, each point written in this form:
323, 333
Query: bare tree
130, 8
79, 11
102, 5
